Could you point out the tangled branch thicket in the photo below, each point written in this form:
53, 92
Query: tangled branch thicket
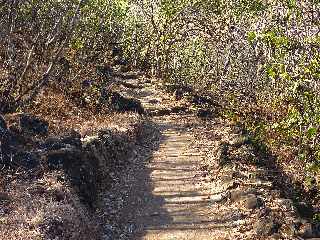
260, 57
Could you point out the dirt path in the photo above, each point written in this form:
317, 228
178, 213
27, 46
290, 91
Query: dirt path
180, 207
179, 190
170, 200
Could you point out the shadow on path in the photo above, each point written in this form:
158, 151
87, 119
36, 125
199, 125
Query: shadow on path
166, 200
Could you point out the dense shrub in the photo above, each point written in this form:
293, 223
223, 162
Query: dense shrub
55, 43
261, 56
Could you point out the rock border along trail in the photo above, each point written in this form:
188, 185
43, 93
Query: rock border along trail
179, 191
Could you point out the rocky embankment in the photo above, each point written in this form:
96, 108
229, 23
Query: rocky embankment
51, 184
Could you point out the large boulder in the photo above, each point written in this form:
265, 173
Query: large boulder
27, 124
16, 138
14, 156
120, 103
70, 138
266, 226
63, 158
66, 152
62, 151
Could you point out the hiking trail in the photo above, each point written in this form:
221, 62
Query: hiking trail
178, 190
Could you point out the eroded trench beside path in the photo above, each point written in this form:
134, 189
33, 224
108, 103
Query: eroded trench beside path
177, 190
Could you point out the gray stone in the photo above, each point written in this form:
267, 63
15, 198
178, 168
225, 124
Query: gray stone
218, 197
71, 138
265, 227
277, 236
154, 101
236, 195
58, 195
240, 194
252, 201
37, 189
286, 204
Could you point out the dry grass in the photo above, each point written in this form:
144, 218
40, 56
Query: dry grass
63, 114
46, 209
